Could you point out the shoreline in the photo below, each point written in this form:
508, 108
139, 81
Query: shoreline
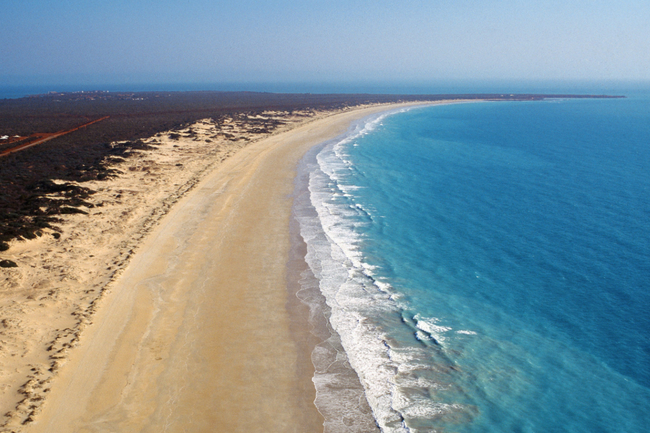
339, 396
153, 324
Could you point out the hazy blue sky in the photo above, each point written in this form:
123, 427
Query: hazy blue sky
334, 40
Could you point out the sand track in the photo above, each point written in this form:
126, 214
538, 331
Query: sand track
42, 138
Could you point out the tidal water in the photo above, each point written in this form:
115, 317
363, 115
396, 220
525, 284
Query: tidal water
485, 267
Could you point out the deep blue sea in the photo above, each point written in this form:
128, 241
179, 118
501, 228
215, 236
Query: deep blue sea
486, 266
12, 89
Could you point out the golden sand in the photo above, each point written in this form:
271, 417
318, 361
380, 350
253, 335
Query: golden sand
194, 332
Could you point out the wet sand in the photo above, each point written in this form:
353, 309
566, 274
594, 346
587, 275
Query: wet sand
197, 333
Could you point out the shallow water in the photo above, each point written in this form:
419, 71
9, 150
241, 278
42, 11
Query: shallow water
486, 265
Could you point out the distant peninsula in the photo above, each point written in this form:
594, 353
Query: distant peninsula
79, 128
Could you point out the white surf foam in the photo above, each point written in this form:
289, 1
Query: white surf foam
364, 309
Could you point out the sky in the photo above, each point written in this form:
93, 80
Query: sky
136, 41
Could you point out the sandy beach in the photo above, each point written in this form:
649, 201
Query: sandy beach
168, 310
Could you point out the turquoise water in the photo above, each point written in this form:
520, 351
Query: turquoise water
487, 264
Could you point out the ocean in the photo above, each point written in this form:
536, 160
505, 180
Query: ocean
12, 91
484, 267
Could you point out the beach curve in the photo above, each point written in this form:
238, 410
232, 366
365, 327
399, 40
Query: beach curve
195, 334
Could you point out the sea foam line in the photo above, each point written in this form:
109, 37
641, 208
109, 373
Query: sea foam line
362, 308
